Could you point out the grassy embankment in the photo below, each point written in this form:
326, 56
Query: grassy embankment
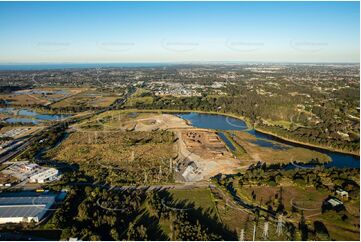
275, 152
239, 151
306, 144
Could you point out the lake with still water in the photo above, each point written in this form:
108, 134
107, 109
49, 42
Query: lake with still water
221, 122
29, 116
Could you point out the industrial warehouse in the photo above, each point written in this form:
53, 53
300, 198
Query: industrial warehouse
27, 172
14, 209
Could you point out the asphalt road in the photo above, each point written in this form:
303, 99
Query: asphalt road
15, 151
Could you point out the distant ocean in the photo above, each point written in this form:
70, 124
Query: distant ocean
34, 67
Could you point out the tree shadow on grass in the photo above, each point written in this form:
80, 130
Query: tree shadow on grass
207, 218
153, 228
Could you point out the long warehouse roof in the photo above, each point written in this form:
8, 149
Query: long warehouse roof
24, 206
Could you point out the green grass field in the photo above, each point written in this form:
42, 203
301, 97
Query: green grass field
274, 152
138, 100
200, 197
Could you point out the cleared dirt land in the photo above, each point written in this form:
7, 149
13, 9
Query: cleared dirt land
196, 158
209, 154
87, 98
120, 120
114, 137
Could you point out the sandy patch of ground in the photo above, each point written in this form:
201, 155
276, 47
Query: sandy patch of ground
201, 153
160, 121
204, 157
206, 143
142, 122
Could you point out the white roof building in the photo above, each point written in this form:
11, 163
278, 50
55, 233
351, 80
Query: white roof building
45, 175
342, 193
25, 171
334, 202
24, 209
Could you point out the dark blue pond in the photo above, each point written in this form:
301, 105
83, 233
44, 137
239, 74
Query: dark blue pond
29, 116
21, 120
220, 122
45, 117
210, 121
226, 140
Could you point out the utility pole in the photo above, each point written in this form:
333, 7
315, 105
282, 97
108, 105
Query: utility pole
119, 123
279, 225
160, 172
145, 177
96, 137
97, 69
241, 235
254, 232
89, 138
132, 156
265, 230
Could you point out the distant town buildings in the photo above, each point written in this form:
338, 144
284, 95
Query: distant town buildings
174, 89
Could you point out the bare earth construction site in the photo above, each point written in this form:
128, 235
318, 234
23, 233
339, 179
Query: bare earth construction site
155, 147
195, 154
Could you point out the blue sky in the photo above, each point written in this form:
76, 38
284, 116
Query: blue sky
86, 32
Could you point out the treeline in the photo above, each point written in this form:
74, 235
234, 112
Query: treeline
98, 214
46, 140
329, 131
272, 175
315, 135
10, 89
